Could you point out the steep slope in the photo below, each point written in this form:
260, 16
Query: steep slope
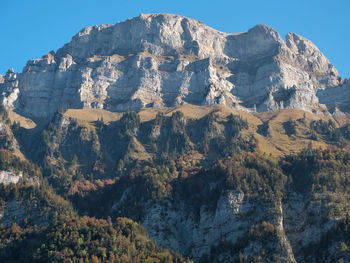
209, 182
37, 225
238, 150
160, 60
246, 205
337, 98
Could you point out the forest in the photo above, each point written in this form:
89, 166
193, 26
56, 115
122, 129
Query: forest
87, 186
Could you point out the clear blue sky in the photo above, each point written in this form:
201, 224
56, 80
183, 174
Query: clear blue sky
31, 28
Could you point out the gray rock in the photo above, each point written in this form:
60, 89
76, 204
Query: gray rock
180, 230
336, 99
9, 89
7, 177
160, 60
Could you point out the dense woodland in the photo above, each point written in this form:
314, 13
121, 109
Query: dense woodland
82, 170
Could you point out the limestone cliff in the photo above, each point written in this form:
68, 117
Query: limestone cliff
160, 60
337, 98
300, 221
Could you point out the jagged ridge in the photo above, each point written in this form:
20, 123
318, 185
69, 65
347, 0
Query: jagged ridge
160, 60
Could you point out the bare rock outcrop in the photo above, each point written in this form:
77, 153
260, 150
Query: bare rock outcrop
194, 235
9, 89
160, 60
7, 177
336, 99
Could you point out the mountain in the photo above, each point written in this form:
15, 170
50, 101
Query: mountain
160, 139
157, 60
209, 182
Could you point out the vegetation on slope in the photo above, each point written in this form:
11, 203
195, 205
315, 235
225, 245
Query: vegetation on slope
40, 226
114, 168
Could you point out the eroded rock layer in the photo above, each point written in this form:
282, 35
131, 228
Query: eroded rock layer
160, 60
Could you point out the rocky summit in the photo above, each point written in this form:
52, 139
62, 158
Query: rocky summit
162, 60
222, 147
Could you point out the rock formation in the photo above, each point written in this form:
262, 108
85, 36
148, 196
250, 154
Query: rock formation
7, 177
336, 99
160, 60
9, 88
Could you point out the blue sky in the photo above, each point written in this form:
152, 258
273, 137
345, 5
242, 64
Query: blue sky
29, 29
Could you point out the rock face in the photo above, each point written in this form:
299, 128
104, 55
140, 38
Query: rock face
167, 60
336, 99
9, 177
194, 235
9, 89
180, 229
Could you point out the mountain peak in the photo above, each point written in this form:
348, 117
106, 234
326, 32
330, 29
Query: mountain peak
165, 60
163, 15
300, 44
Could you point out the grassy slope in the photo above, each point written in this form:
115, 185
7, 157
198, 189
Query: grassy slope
23, 121
275, 141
